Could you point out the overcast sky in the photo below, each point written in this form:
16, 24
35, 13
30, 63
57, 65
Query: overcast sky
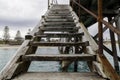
22, 14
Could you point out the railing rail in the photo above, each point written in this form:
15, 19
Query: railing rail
51, 2
111, 27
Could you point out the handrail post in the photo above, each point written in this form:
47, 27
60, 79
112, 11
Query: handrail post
100, 30
113, 44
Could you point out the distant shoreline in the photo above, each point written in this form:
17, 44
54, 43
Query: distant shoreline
9, 46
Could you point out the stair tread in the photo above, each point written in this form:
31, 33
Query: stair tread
59, 17
65, 29
59, 24
59, 76
59, 57
56, 28
53, 23
59, 14
61, 35
59, 20
59, 43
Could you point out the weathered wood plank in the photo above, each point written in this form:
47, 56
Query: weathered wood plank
59, 43
58, 76
58, 20
66, 29
59, 17
60, 9
61, 35
109, 71
59, 23
59, 14
57, 26
59, 57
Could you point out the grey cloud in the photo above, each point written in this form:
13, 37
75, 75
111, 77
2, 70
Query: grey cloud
18, 22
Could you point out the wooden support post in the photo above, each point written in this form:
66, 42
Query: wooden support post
100, 28
28, 37
76, 52
113, 43
66, 63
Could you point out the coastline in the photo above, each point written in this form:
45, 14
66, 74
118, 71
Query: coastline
9, 46
15, 46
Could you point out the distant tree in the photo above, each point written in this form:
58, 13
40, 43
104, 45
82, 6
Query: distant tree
6, 35
18, 36
29, 30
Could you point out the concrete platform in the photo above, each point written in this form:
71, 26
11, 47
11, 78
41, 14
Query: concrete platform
58, 76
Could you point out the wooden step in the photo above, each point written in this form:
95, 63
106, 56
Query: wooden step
59, 23
59, 57
59, 20
60, 35
66, 29
59, 17
60, 9
60, 5
59, 76
59, 14
59, 43
63, 26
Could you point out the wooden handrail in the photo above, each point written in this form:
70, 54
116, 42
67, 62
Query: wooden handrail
111, 27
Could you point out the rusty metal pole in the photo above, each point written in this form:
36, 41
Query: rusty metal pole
113, 43
100, 28
79, 9
48, 4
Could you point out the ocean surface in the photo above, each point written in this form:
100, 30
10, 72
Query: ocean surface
44, 66
6, 53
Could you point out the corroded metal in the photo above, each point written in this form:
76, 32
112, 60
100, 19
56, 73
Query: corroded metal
103, 21
100, 27
113, 43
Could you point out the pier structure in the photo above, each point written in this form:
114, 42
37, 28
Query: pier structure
75, 44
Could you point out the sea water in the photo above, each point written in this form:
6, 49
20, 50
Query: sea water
5, 55
44, 66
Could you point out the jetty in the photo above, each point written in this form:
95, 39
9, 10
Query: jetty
75, 44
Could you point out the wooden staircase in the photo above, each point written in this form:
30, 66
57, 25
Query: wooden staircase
59, 23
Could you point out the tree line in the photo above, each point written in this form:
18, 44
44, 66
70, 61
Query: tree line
6, 35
